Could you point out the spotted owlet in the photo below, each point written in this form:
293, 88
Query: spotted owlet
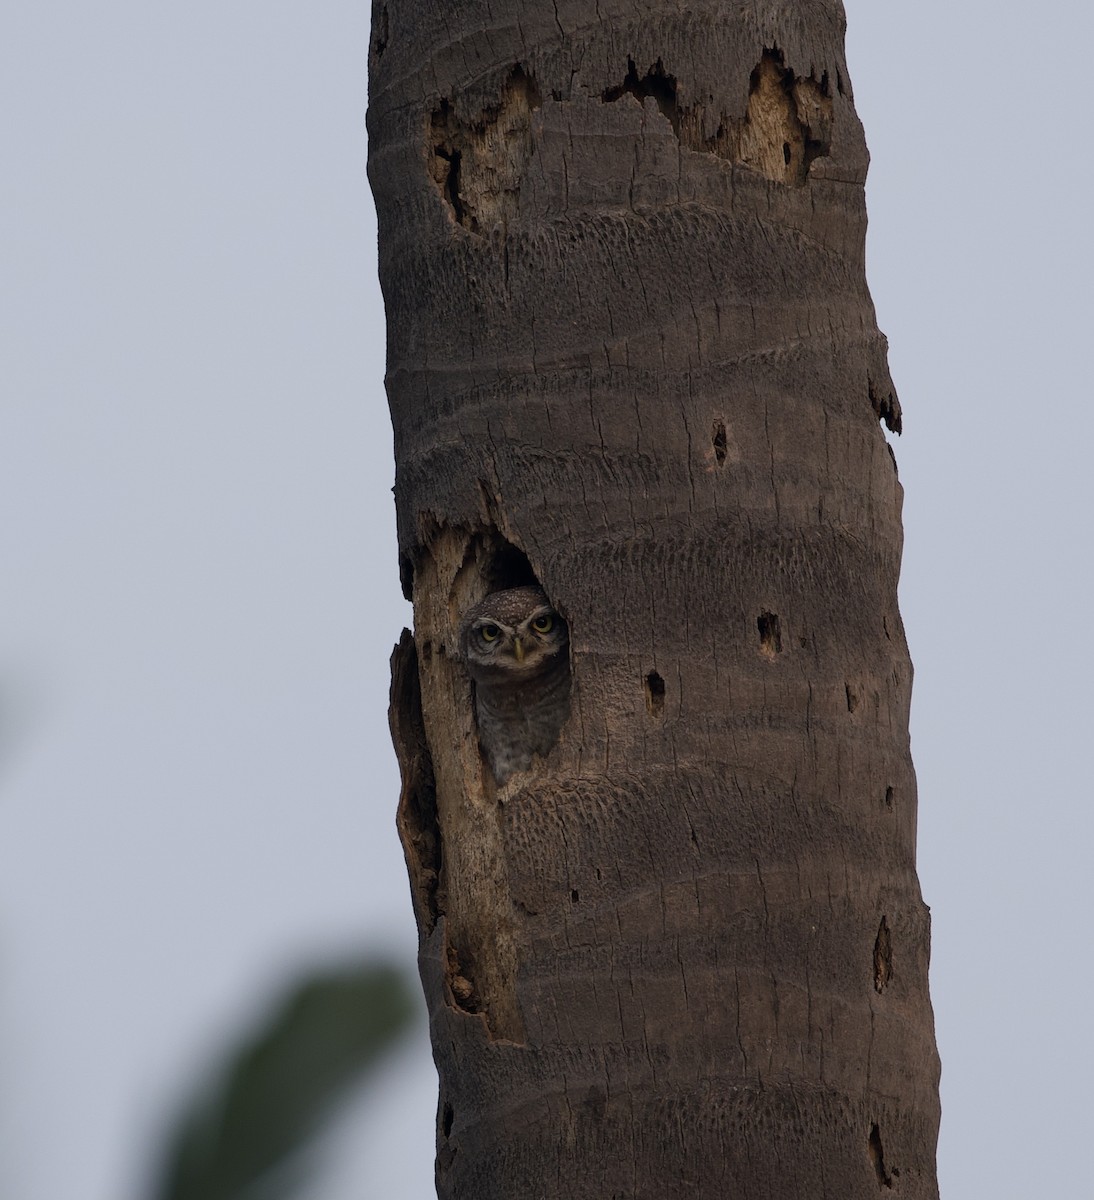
516, 649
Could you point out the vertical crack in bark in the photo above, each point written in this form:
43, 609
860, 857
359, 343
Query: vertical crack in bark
416, 819
883, 957
446, 1151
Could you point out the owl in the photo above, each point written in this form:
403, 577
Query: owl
515, 647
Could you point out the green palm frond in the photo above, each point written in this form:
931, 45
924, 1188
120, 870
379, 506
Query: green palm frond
246, 1136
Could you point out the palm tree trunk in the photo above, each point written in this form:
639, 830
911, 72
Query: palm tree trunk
632, 356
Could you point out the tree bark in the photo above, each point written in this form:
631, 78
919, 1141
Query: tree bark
632, 357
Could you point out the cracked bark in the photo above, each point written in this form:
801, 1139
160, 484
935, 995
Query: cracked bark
632, 356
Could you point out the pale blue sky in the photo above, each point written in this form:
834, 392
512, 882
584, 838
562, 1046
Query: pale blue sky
199, 590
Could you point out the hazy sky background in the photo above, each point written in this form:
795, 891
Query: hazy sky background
198, 586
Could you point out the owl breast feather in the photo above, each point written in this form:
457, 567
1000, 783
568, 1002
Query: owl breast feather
519, 721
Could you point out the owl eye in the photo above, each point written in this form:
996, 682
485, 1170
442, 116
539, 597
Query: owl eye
489, 633
543, 624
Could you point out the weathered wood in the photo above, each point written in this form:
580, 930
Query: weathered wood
632, 356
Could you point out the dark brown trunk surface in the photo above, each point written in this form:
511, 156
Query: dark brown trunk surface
632, 356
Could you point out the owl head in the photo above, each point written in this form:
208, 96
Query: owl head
514, 635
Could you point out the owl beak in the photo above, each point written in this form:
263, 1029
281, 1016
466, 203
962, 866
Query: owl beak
518, 649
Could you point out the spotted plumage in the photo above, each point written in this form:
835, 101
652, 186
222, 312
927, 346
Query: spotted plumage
516, 649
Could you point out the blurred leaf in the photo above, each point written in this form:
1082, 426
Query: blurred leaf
20, 712
246, 1136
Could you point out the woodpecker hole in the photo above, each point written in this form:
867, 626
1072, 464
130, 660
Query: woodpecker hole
479, 162
888, 797
720, 442
656, 83
655, 694
877, 1157
463, 990
771, 639
788, 122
